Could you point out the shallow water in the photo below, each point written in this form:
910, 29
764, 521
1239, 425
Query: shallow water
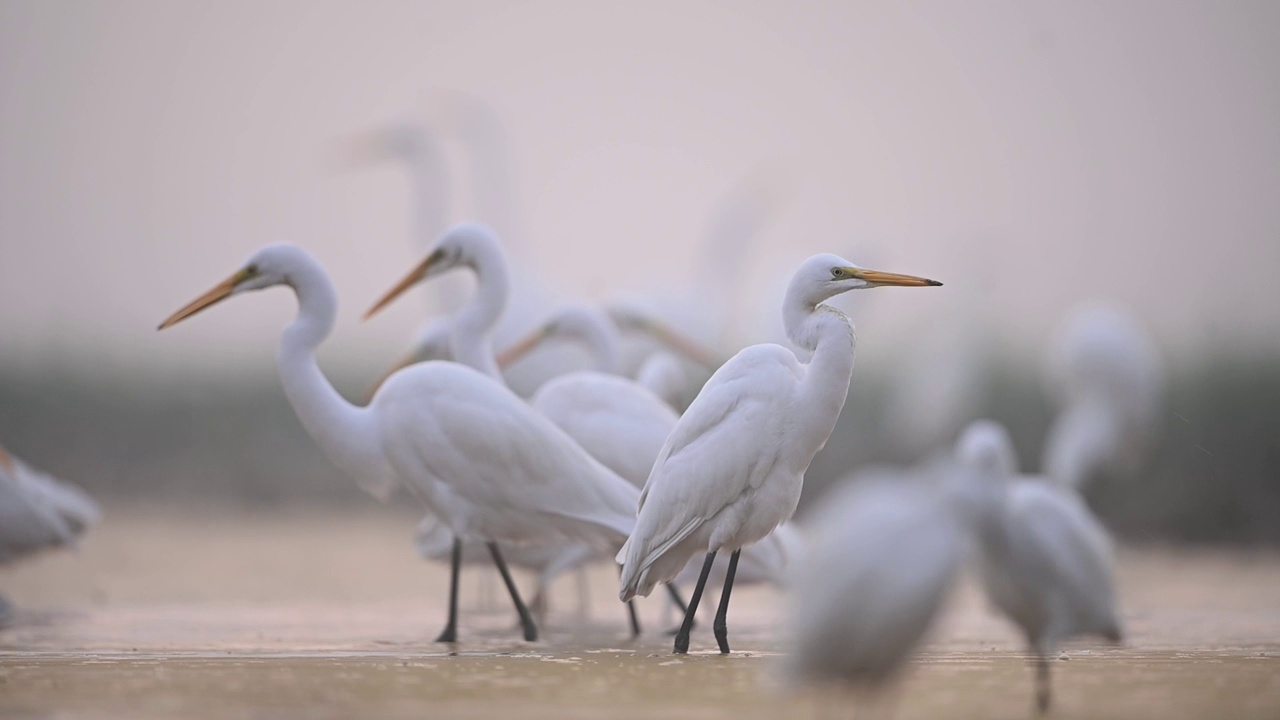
168, 615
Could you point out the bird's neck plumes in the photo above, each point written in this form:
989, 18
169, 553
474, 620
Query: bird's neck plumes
473, 326
828, 335
343, 431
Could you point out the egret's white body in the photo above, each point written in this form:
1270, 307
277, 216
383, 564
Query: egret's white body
664, 375
732, 469
1109, 378
474, 453
885, 551
1045, 561
38, 512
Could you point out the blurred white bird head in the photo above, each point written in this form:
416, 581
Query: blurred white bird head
465, 245
985, 445
267, 267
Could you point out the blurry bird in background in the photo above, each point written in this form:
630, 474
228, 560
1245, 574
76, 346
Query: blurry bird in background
1044, 560
37, 512
1109, 380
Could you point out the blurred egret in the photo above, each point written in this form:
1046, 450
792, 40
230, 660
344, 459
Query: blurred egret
1045, 561
473, 452
1109, 377
734, 464
37, 512
886, 548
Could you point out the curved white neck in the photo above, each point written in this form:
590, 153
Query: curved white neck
473, 325
1084, 438
345, 433
828, 335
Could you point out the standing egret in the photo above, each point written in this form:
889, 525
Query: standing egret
886, 548
1045, 561
616, 421
1109, 377
733, 467
37, 512
474, 453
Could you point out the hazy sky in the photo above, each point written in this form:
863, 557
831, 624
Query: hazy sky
1027, 154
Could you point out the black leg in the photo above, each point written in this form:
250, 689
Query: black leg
682, 637
631, 614
526, 620
675, 597
635, 619
450, 632
720, 626
1042, 683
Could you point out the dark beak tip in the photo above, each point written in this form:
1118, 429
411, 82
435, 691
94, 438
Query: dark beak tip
935, 283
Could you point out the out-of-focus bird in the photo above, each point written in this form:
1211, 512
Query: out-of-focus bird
1045, 561
617, 422
664, 375
733, 467
474, 453
37, 512
885, 549
1109, 379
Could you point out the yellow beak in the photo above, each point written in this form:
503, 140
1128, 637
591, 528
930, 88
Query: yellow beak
5, 462
877, 278
681, 343
522, 348
413, 278
217, 294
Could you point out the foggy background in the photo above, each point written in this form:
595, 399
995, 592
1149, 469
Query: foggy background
1028, 155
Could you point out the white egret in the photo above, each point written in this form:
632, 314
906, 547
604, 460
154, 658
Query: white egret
37, 512
616, 421
1045, 561
621, 424
474, 453
733, 467
1109, 378
886, 548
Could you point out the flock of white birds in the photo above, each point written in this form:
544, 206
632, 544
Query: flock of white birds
597, 466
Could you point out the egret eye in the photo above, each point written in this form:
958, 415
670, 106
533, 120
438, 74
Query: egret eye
837, 273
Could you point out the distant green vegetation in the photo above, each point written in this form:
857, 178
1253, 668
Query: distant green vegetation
1213, 476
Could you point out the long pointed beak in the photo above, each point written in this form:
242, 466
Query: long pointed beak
217, 294
514, 352
877, 279
413, 278
681, 343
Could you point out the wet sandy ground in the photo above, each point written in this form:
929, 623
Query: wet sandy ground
182, 614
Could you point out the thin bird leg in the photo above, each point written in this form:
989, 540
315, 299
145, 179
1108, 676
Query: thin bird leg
720, 627
1042, 683
682, 637
526, 620
679, 601
631, 614
450, 632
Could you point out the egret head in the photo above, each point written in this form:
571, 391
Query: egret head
985, 445
824, 276
463, 245
267, 267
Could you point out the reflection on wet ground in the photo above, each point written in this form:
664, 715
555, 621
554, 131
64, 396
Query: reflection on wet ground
164, 615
